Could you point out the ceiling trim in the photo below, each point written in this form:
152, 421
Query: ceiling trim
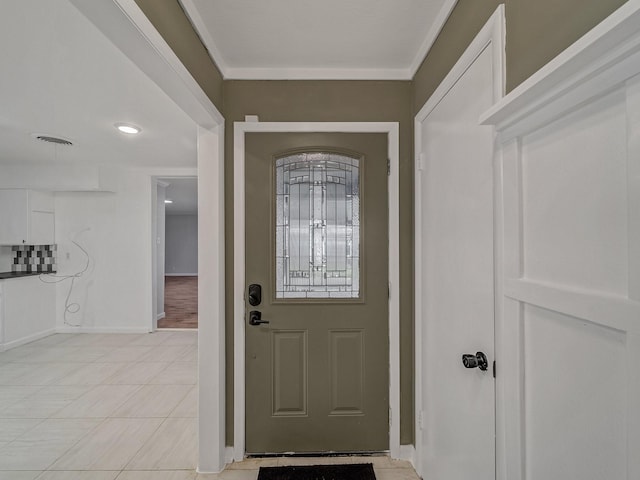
432, 35
283, 73
201, 29
318, 74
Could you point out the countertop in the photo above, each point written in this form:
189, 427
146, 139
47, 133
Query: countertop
6, 275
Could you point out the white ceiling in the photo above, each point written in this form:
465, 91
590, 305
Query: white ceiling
318, 39
61, 76
183, 192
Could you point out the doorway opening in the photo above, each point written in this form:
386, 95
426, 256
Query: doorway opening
177, 253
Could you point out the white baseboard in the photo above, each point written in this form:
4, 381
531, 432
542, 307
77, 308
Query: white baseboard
83, 329
166, 329
160, 316
228, 458
228, 455
28, 339
408, 453
180, 274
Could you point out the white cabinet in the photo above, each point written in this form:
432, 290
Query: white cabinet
26, 217
27, 311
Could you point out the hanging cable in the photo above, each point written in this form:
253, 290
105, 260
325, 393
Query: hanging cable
70, 307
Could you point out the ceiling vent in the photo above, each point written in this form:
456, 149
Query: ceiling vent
52, 139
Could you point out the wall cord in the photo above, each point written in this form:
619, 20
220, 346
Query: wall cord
69, 307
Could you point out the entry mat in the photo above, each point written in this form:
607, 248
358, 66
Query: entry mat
357, 471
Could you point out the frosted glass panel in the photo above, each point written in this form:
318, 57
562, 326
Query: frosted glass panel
317, 226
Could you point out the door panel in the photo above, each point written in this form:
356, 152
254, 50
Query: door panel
347, 366
317, 375
290, 381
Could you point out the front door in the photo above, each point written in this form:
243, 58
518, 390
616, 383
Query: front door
317, 374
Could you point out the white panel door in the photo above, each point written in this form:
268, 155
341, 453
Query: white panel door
455, 271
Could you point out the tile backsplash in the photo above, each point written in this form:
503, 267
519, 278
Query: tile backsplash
34, 258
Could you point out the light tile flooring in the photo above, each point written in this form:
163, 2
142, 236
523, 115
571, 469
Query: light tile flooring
115, 406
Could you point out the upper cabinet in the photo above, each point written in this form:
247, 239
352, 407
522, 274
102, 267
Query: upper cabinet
26, 217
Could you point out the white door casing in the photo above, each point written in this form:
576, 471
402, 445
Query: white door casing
239, 283
568, 336
455, 208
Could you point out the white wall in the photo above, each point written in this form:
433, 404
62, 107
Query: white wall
115, 294
181, 253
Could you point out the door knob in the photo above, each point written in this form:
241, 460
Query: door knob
255, 294
478, 360
255, 318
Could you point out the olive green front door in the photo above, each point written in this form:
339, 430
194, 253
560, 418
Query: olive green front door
317, 374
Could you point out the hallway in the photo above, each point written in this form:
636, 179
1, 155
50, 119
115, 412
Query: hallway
180, 303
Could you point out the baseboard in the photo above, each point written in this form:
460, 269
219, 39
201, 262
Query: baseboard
83, 329
160, 316
228, 455
408, 453
228, 458
28, 339
169, 329
180, 274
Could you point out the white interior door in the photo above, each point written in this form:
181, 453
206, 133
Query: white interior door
455, 270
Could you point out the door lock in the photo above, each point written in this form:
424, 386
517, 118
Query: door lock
255, 318
255, 294
478, 360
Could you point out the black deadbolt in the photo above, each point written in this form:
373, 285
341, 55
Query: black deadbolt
472, 361
255, 294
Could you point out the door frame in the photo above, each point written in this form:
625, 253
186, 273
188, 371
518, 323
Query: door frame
492, 35
158, 180
392, 130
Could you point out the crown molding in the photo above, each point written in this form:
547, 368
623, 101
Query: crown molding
201, 29
432, 36
283, 73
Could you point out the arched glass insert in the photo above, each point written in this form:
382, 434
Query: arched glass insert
317, 226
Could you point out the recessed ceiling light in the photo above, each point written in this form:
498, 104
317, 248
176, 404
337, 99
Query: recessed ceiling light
168, 201
128, 128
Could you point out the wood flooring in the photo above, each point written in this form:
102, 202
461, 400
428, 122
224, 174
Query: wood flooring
180, 303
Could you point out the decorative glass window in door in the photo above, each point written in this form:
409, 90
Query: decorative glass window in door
317, 226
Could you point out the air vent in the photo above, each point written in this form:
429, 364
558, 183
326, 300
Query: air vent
56, 140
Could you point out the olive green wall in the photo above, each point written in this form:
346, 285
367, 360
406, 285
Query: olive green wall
331, 101
537, 31
175, 27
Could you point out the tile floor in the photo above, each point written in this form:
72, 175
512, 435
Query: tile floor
115, 407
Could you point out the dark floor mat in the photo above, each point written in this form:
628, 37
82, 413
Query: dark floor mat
358, 471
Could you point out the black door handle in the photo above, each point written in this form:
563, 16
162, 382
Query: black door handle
255, 294
255, 318
478, 360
